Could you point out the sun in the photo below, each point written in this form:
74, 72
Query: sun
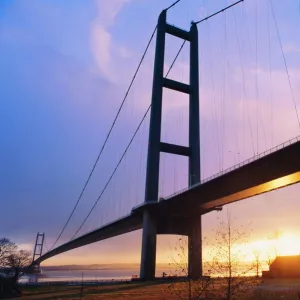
283, 245
288, 244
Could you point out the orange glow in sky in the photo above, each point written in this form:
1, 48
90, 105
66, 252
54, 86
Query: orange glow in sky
285, 244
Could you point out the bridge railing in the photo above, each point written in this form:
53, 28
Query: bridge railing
236, 166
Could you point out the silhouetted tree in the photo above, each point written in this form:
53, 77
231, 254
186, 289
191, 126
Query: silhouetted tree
18, 260
257, 262
227, 266
10, 259
181, 285
6, 248
272, 251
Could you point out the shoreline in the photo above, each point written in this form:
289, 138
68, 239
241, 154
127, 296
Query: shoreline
77, 282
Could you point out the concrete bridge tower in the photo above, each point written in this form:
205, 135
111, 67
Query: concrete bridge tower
150, 218
38, 251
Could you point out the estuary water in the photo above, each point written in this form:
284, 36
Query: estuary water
90, 273
100, 273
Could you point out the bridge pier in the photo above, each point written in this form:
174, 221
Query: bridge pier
195, 248
33, 269
148, 260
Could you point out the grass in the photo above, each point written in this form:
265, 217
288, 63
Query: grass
269, 289
116, 291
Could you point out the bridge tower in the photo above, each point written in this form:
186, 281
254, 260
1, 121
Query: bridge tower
148, 258
38, 248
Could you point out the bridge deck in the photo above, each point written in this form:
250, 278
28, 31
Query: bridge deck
121, 226
273, 171
270, 172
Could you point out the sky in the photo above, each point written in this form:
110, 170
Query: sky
64, 69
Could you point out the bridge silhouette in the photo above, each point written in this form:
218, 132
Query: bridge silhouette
180, 213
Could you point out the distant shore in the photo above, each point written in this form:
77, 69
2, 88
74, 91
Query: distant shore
114, 266
78, 282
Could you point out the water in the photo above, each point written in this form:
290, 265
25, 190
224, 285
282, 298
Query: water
98, 273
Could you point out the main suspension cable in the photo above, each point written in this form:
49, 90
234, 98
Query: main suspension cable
125, 151
218, 12
106, 139
172, 5
110, 130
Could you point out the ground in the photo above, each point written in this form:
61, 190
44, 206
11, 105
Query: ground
274, 289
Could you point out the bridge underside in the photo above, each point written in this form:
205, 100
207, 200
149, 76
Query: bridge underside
129, 223
121, 226
274, 171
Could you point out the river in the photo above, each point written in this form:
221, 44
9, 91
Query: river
103, 273
89, 273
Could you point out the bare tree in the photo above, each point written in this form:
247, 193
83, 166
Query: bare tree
227, 263
271, 255
272, 252
17, 261
257, 262
181, 285
12, 261
6, 248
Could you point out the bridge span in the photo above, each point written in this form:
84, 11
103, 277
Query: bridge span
275, 170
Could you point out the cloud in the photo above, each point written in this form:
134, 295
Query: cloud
102, 44
108, 11
124, 52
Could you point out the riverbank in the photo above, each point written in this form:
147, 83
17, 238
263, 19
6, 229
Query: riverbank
266, 289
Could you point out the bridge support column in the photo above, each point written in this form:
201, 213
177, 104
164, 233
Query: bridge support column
36, 269
148, 260
38, 247
195, 235
195, 248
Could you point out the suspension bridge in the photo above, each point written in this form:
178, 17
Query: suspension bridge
180, 213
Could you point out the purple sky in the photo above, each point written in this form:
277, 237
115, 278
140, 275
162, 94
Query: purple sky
64, 68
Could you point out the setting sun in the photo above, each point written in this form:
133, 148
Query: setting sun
288, 244
284, 244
